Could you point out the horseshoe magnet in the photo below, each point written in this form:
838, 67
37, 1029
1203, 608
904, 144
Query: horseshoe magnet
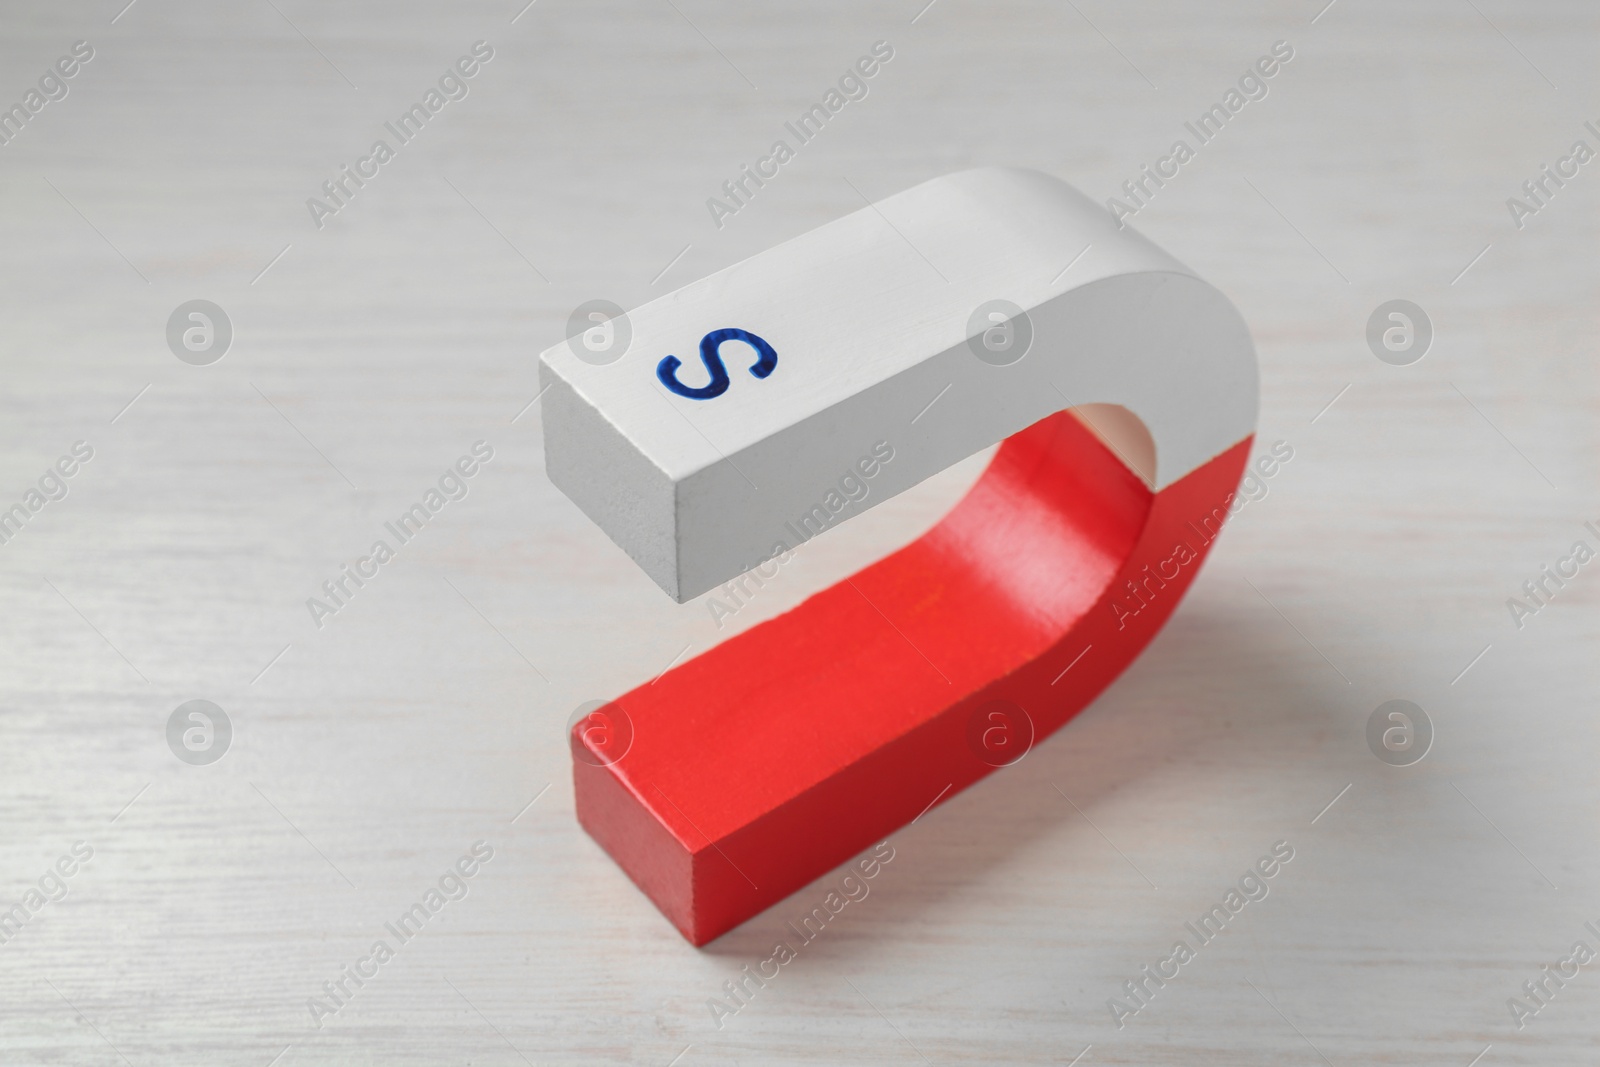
985, 306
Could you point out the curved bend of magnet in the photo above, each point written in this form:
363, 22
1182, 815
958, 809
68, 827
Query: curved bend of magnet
992, 305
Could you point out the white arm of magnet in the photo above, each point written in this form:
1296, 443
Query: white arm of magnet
883, 340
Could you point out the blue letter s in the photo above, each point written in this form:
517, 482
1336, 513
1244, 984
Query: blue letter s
667, 369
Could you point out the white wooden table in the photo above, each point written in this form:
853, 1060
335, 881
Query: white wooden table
428, 712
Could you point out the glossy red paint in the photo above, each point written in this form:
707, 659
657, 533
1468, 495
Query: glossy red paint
764, 763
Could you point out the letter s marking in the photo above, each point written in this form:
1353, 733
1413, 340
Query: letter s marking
766, 362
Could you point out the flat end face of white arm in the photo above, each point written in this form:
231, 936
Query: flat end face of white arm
830, 372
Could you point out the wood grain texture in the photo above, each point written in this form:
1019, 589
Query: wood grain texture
431, 709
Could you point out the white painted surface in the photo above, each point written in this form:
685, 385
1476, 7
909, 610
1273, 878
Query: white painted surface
869, 334
408, 727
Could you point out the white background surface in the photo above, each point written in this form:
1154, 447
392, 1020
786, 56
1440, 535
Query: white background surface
374, 751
